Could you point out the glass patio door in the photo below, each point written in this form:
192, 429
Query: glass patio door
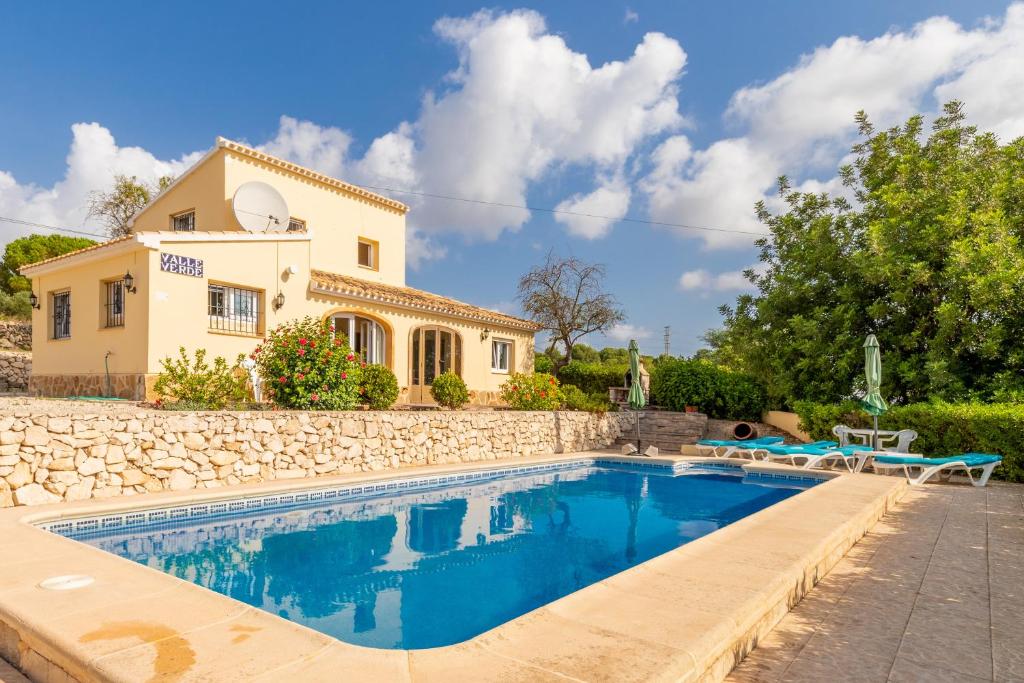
366, 337
434, 350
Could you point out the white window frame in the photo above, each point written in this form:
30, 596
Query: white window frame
373, 247
240, 307
496, 357
376, 344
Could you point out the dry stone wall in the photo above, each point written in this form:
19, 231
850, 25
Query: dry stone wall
46, 458
15, 334
15, 370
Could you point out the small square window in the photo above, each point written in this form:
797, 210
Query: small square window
184, 221
296, 225
501, 355
368, 253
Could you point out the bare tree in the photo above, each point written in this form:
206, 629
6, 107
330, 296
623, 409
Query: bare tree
566, 297
116, 207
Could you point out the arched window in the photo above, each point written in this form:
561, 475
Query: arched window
366, 337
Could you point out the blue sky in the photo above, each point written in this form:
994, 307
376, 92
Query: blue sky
700, 107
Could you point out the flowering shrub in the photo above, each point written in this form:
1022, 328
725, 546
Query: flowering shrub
192, 384
449, 390
379, 388
305, 365
538, 391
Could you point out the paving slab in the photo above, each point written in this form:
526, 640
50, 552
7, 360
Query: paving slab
932, 593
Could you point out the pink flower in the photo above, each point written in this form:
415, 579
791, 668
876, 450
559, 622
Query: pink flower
362, 365
302, 352
314, 397
300, 376
282, 379
332, 328
350, 357
344, 375
302, 342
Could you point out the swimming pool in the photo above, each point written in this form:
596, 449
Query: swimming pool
424, 563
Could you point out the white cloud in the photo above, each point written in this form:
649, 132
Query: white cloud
321, 148
631, 17
702, 280
801, 123
623, 332
597, 211
93, 160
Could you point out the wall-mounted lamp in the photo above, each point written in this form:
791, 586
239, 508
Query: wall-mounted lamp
485, 334
33, 300
279, 301
129, 282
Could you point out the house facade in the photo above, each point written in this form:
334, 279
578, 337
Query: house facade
190, 275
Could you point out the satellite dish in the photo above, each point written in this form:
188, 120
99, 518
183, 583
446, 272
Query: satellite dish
259, 207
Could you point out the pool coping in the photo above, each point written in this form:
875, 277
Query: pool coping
690, 614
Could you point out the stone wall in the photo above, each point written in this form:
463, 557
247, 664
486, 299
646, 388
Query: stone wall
15, 334
15, 370
131, 386
46, 458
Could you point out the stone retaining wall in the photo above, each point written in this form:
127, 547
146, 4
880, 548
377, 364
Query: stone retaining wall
16, 334
15, 370
46, 458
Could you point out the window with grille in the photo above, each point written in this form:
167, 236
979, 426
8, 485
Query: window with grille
233, 309
61, 305
184, 222
114, 303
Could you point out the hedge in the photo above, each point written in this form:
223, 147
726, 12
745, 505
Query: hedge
715, 391
943, 428
593, 378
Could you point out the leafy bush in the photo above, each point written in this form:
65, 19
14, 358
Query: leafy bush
574, 398
543, 363
943, 428
15, 306
538, 391
379, 388
449, 390
305, 365
593, 378
192, 384
718, 392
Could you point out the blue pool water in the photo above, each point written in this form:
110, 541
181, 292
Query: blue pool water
436, 566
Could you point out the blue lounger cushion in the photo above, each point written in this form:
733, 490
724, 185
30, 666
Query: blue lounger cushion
760, 441
969, 459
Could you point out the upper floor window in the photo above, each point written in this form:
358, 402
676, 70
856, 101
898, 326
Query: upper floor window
114, 303
184, 221
296, 225
234, 309
501, 355
368, 253
60, 303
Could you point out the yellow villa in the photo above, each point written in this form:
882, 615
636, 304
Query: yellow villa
208, 265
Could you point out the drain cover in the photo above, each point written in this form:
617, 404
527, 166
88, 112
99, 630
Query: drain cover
67, 582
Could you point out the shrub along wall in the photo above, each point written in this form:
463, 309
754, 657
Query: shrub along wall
46, 458
943, 428
715, 391
593, 378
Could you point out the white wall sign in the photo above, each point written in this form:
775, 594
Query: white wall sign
183, 265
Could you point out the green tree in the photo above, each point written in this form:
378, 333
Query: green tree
930, 260
616, 356
585, 354
31, 249
117, 206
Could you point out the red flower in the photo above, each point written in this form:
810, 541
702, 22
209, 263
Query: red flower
330, 353
337, 341
300, 376
551, 381
314, 397
302, 342
362, 365
344, 375
543, 394
302, 352
350, 357
282, 379
312, 344
331, 327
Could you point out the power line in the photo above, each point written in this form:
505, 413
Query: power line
30, 224
527, 207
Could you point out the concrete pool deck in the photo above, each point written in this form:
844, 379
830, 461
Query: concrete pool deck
690, 614
932, 593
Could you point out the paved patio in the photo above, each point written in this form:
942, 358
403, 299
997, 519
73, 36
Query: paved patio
934, 593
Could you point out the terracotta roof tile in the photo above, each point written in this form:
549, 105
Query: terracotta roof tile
414, 298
